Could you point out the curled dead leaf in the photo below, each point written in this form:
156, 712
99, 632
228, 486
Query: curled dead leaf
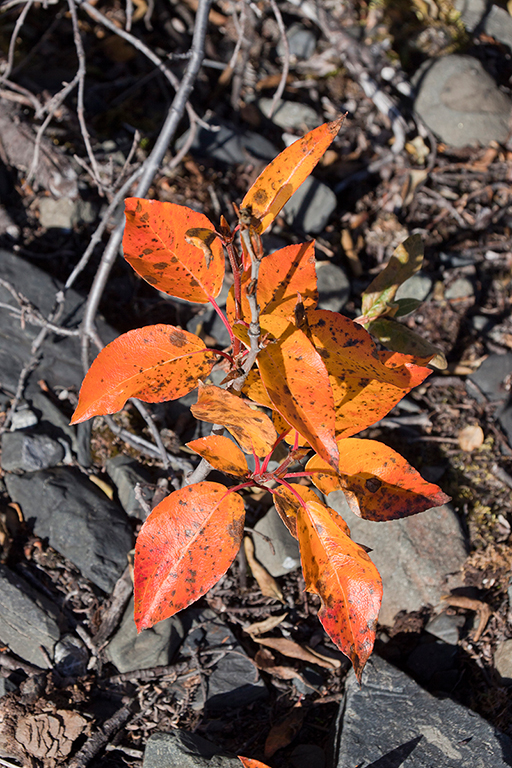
268, 585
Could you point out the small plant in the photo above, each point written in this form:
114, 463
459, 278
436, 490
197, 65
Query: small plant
318, 374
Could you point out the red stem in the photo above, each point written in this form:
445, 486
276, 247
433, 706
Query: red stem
287, 485
223, 318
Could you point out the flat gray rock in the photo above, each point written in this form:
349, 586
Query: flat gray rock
461, 103
291, 115
230, 144
27, 619
418, 557
484, 17
21, 450
61, 356
310, 207
126, 473
286, 556
153, 647
491, 378
78, 520
390, 721
179, 749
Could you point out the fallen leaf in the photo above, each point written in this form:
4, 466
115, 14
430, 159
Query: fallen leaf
284, 732
471, 437
260, 627
267, 584
295, 651
483, 610
248, 762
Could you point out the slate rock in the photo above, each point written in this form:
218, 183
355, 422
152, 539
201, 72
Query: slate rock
22, 450
179, 749
286, 556
234, 682
230, 144
27, 619
431, 658
446, 627
125, 473
389, 721
291, 115
418, 557
460, 102
333, 286
60, 364
503, 661
498, 24
310, 207
78, 520
153, 647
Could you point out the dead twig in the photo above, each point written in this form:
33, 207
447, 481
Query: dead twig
99, 738
286, 58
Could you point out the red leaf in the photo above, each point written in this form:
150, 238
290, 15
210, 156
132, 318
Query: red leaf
155, 363
366, 384
167, 245
296, 380
283, 274
222, 454
277, 183
250, 427
187, 543
347, 582
384, 483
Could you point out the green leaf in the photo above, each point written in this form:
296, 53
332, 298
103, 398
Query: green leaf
400, 338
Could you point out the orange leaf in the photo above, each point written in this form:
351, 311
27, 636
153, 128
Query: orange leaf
155, 363
287, 505
277, 183
250, 427
297, 382
248, 762
347, 582
255, 389
222, 453
158, 244
283, 274
384, 483
366, 383
187, 543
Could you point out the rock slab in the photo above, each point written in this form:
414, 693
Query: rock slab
418, 557
154, 647
78, 520
185, 750
27, 619
389, 721
461, 103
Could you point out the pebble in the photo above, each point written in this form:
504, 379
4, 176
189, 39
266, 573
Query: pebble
21, 450
28, 620
446, 627
230, 145
495, 21
390, 721
460, 102
333, 286
503, 661
311, 207
64, 213
291, 115
23, 418
181, 749
286, 556
418, 287
301, 42
461, 288
78, 520
153, 647
419, 557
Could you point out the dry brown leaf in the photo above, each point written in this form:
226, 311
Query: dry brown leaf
265, 661
471, 437
268, 585
483, 610
284, 732
295, 651
50, 736
260, 627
